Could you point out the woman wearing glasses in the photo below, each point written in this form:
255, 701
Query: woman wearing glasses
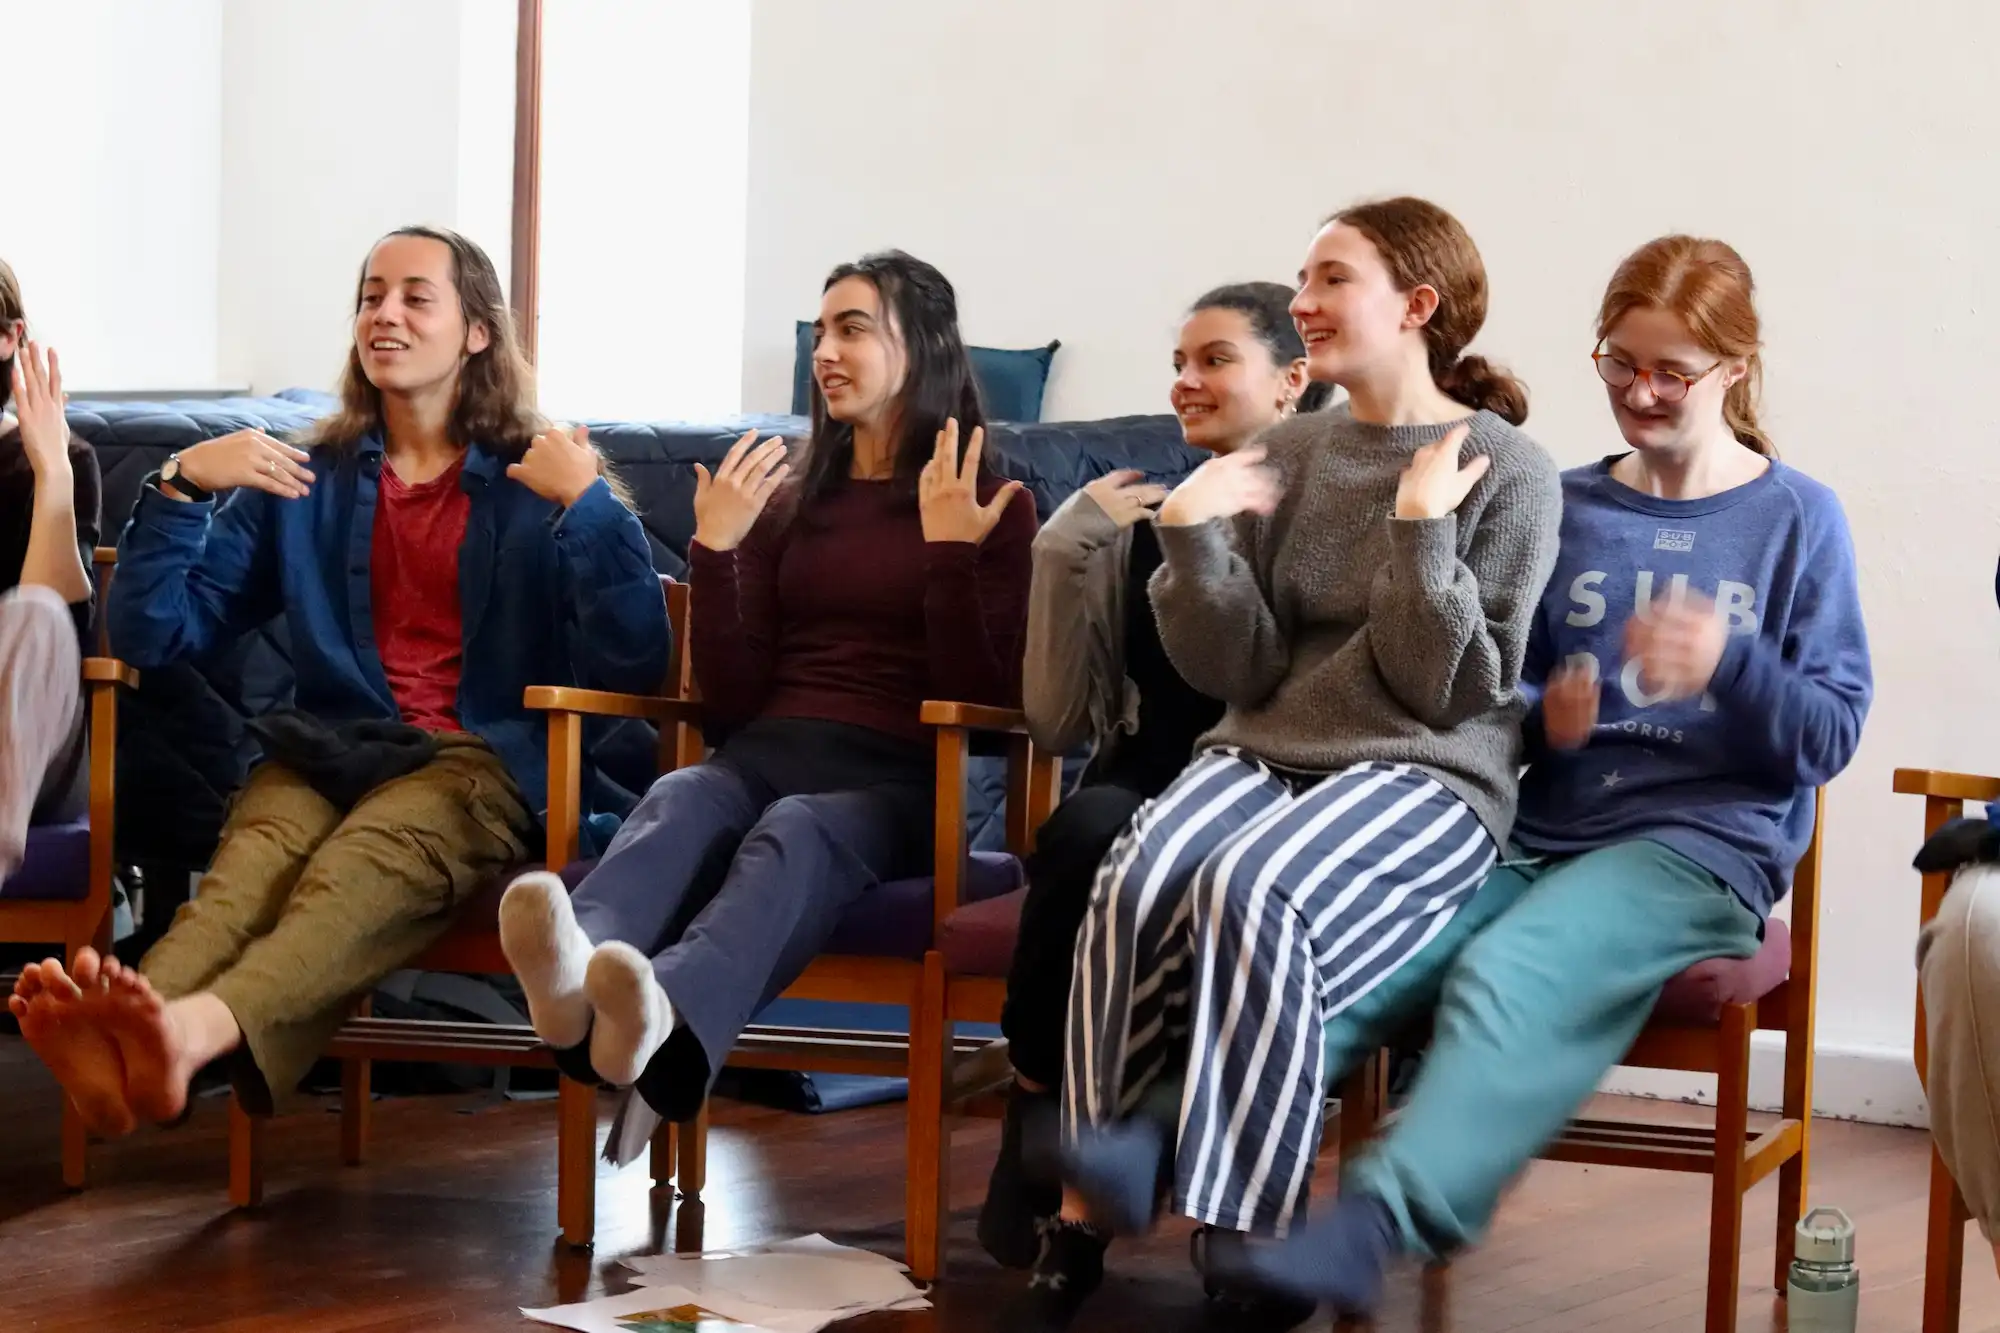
1697, 668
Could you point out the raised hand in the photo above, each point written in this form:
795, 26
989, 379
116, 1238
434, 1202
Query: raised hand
1677, 644
559, 466
248, 458
1434, 485
948, 491
38, 399
1125, 496
726, 505
1569, 706
1224, 486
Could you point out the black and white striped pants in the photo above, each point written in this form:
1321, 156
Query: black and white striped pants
1240, 912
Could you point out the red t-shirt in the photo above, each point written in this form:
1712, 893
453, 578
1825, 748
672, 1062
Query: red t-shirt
413, 582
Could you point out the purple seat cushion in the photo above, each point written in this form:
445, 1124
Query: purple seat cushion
56, 866
978, 939
1698, 994
895, 920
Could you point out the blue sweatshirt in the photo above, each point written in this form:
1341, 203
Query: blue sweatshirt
1727, 779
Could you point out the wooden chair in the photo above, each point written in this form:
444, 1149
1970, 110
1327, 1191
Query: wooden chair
472, 945
61, 894
1945, 796
1702, 1025
880, 956
885, 954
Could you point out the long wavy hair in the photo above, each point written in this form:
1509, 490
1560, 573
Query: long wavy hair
938, 384
495, 403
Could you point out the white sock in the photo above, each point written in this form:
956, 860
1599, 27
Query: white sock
550, 954
634, 1015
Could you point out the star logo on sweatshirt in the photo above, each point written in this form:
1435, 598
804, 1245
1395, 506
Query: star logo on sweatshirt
1612, 779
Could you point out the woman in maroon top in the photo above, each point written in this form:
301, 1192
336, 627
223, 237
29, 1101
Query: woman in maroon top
826, 609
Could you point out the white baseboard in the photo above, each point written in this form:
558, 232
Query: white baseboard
1877, 1084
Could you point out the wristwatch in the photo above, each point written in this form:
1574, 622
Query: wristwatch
170, 475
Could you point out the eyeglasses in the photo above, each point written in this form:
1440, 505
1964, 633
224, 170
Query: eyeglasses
1669, 386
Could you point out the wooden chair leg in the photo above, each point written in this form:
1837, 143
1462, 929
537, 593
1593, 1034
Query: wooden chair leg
660, 1156
1791, 1205
576, 1162
246, 1156
928, 1186
1434, 1299
1732, 1124
75, 1145
1944, 1251
692, 1167
357, 1095
1361, 1105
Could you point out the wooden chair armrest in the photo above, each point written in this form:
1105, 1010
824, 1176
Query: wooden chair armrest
603, 703
974, 717
1947, 786
109, 671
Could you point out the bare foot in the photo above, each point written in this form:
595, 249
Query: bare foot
77, 1050
154, 1051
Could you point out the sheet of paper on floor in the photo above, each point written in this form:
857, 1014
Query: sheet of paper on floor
794, 1286
810, 1273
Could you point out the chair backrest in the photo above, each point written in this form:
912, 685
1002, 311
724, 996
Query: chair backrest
104, 565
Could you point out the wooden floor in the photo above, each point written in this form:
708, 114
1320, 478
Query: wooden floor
452, 1226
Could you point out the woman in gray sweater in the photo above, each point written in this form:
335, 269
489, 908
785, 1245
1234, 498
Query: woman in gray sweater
1095, 673
1357, 588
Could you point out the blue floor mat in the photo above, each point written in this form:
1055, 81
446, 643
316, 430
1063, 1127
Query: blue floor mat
813, 1094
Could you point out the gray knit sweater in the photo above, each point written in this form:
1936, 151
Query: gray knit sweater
1338, 634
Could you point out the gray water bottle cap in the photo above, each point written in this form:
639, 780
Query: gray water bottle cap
1829, 1242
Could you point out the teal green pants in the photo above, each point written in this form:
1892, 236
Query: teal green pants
1547, 994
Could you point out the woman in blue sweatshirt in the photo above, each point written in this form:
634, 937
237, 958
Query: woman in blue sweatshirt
1697, 669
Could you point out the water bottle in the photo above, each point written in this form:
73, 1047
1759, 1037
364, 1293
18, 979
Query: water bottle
1823, 1290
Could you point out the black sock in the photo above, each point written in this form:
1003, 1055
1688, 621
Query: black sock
1019, 1199
1069, 1268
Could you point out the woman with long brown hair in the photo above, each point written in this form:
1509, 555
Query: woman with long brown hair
1698, 667
434, 550
1356, 587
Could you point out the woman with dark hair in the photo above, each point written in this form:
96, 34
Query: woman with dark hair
826, 609
1357, 588
49, 517
1095, 673
438, 550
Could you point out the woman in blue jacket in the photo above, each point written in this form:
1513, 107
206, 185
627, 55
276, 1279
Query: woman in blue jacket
436, 550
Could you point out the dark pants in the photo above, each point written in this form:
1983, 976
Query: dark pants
731, 875
1071, 845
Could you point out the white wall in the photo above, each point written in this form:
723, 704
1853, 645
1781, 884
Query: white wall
645, 114
1081, 170
339, 123
110, 190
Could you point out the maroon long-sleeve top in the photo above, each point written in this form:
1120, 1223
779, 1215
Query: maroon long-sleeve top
846, 614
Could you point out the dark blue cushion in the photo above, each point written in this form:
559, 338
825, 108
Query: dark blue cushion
56, 868
1010, 382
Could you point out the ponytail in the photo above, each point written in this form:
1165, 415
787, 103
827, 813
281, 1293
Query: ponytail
1739, 410
1483, 386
